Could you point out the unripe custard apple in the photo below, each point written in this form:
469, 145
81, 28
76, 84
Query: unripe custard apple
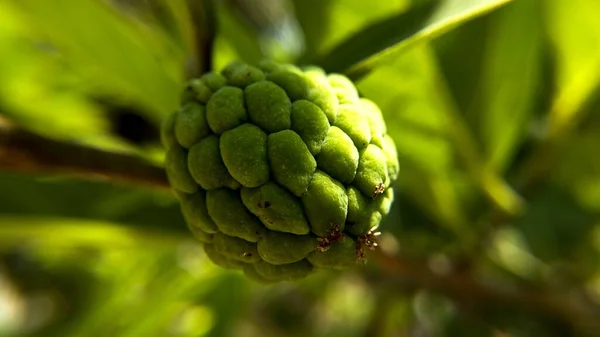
280, 171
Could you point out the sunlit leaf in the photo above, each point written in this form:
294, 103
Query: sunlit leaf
118, 56
59, 231
328, 22
385, 40
574, 34
417, 120
28, 77
574, 31
495, 89
461, 53
510, 80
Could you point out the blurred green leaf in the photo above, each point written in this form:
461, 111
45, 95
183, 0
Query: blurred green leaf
430, 134
29, 76
149, 281
229, 299
56, 198
415, 226
461, 53
416, 120
386, 40
578, 171
495, 89
328, 22
432, 311
574, 31
464, 325
554, 236
510, 80
508, 248
413, 110
71, 232
234, 41
118, 56
575, 40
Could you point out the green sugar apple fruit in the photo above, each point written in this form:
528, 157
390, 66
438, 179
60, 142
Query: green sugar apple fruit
280, 171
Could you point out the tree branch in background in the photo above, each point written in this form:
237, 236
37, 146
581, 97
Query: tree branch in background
205, 26
573, 309
24, 151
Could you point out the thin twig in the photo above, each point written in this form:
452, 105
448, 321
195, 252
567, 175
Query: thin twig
24, 151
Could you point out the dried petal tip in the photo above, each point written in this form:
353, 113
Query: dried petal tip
335, 234
368, 241
378, 190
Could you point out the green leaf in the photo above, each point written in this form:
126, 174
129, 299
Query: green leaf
29, 77
326, 23
509, 80
385, 40
574, 31
494, 74
234, 41
429, 134
22, 195
116, 55
556, 225
417, 118
509, 250
416, 225
461, 53
578, 171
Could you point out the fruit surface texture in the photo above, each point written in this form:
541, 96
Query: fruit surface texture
281, 171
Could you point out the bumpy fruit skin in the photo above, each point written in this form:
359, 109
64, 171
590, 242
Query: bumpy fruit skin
280, 171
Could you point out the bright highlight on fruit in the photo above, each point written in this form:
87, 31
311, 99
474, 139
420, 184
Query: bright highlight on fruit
281, 171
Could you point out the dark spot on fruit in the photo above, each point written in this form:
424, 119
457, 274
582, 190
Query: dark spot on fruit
264, 204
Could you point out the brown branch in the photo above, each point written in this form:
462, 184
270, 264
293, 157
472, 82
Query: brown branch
575, 310
24, 151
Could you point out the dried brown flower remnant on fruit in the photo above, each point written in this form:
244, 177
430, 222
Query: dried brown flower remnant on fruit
335, 234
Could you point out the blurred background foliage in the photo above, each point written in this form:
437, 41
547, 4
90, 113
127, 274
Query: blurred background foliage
493, 106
